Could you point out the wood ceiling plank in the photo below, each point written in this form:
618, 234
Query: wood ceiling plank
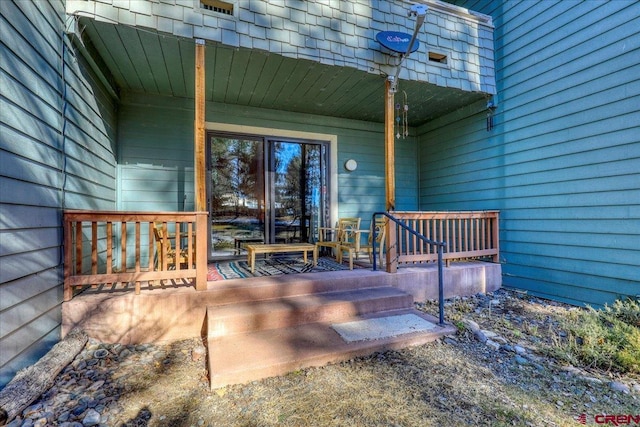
277, 83
171, 54
368, 103
326, 92
239, 66
133, 47
101, 37
254, 70
157, 63
269, 72
209, 71
304, 71
188, 60
222, 70
356, 87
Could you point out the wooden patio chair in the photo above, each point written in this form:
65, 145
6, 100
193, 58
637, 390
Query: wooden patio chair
166, 257
352, 246
380, 226
338, 234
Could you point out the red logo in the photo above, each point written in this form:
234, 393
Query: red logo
618, 420
614, 420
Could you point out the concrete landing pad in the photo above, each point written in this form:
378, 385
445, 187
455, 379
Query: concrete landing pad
382, 327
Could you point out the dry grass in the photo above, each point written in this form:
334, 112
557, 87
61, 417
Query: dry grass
457, 382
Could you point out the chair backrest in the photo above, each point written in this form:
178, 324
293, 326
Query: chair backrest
380, 227
159, 235
346, 226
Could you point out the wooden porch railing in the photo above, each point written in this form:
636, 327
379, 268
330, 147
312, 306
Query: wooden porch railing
467, 234
111, 248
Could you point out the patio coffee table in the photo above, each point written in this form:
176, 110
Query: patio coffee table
252, 250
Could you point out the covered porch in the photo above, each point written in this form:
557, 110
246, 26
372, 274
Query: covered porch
180, 78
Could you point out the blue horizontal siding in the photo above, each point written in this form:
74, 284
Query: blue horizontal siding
562, 162
57, 151
156, 154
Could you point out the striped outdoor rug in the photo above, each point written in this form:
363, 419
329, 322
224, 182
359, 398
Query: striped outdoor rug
270, 267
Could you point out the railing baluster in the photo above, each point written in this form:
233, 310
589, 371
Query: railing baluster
94, 247
123, 246
78, 247
151, 246
109, 247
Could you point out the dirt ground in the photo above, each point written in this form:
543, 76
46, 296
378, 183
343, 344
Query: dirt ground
455, 381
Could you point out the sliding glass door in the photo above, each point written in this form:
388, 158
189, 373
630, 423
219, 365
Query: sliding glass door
264, 191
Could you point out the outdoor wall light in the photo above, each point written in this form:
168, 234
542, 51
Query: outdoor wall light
351, 165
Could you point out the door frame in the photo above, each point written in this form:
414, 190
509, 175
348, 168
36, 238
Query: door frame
285, 134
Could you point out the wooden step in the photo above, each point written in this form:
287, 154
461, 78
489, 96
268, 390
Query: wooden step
311, 308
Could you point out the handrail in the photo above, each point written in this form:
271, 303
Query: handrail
439, 245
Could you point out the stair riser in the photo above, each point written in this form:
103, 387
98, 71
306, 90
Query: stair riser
293, 316
263, 288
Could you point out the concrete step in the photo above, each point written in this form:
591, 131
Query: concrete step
246, 357
271, 287
225, 320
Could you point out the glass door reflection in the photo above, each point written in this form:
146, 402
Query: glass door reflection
295, 191
236, 195
264, 191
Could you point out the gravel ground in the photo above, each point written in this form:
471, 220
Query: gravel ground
491, 373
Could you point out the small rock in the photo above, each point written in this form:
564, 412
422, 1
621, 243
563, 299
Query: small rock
521, 360
591, 380
519, 350
492, 345
450, 341
500, 339
508, 347
619, 387
79, 410
198, 353
636, 388
100, 353
92, 418
489, 334
480, 336
96, 385
571, 370
473, 326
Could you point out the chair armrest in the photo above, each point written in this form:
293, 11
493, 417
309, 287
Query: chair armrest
322, 232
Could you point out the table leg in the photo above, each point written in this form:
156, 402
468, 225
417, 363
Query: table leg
315, 256
251, 259
304, 256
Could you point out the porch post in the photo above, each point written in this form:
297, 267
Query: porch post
199, 143
390, 176
199, 170
389, 154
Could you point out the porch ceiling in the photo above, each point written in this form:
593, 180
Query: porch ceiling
145, 61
